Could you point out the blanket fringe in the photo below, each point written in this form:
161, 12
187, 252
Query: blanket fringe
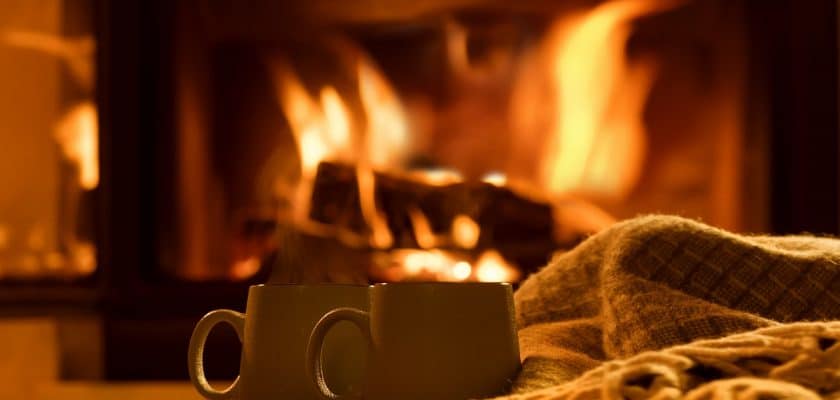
791, 361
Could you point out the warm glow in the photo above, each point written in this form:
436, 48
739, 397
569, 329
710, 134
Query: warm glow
76, 53
423, 234
83, 255
380, 233
324, 131
495, 179
465, 231
244, 269
436, 176
419, 262
337, 121
321, 128
492, 267
461, 270
387, 138
597, 144
77, 134
5, 236
436, 264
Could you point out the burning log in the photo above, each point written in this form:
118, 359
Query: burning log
521, 229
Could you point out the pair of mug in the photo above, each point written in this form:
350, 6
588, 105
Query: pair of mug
386, 341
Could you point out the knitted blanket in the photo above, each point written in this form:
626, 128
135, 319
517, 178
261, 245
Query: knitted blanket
663, 307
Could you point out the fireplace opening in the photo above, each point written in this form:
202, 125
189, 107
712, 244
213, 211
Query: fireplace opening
379, 140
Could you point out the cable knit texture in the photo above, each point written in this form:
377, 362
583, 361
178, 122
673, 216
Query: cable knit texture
662, 307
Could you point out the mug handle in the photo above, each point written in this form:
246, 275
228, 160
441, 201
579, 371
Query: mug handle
314, 364
195, 357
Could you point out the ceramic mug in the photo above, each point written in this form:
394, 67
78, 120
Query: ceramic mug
274, 331
427, 341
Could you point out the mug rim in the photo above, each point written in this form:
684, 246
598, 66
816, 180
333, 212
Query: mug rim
431, 284
310, 285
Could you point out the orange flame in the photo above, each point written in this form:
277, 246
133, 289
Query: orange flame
380, 233
441, 265
323, 131
492, 267
436, 176
423, 233
321, 128
78, 135
597, 141
495, 179
465, 232
387, 130
461, 271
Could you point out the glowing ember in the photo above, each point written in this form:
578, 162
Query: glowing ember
442, 265
78, 135
492, 267
461, 270
465, 232
495, 179
436, 176
436, 263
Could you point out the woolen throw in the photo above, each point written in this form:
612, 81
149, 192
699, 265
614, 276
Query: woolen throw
662, 307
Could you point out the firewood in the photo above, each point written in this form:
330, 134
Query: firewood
519, 227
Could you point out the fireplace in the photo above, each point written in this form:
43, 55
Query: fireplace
218, 145
569, 108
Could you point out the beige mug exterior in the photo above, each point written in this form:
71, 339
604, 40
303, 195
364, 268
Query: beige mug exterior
428, 341
274, 331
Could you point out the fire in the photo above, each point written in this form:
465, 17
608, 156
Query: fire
387, 129
461, 270
436, 176
581, 115
78, 135
417, 262
597, 139
465, 232
495, 179
321, 127
492, 267
442, 265
324, 131
423, 233
380, 233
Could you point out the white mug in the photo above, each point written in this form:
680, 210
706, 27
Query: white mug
274, 333
427, 341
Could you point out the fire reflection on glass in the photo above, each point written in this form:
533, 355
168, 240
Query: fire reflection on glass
50, 127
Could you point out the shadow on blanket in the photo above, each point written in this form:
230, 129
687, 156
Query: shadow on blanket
603, 320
